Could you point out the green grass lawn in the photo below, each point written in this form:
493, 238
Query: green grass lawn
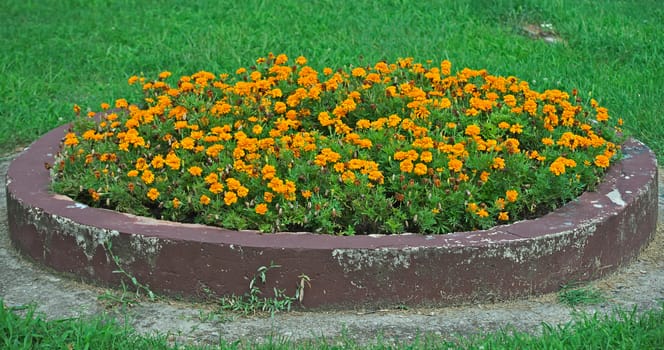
618, 330
57, 53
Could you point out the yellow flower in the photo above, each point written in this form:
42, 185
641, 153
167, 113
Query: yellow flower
503, 216
176, 203
153, 194
482, 213
261, 208
132, 173
205, 200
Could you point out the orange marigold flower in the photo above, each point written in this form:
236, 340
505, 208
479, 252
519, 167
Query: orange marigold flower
216, 188
230, 198
516, 128
105, 106
212, 178
280, 107
242, 191
420, 169
511, 195
348, 176
153, 194
503, 216
268, 172
121, 103
482, 213
358, 72
205, 200
602, 161
176, 203
472, 130
195, 171
157, 162
306, 194
173, 161
558, 165
147, 177
426, 156
93, 194
406, 166
547, 141
233, 184
454, 165
71, 139
261, 209
498, 163
164, 75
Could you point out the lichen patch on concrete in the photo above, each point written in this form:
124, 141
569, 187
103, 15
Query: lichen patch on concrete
616, 198
383, 258
88, 238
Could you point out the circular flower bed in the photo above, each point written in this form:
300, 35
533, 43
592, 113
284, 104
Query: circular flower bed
388, 148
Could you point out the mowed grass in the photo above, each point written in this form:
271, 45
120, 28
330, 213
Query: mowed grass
57, 53
618, 330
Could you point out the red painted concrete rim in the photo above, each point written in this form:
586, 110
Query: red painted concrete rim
584, 239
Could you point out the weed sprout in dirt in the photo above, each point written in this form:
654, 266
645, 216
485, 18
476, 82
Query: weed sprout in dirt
385, 148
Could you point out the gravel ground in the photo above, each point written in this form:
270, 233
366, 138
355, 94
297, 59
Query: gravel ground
640, 285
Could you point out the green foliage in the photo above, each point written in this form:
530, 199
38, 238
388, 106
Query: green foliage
24, 328
574, 294
128, 295
253, 301
384, 148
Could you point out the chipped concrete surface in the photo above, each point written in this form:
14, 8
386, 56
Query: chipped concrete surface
640, 284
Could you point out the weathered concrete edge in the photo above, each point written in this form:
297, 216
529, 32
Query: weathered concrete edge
585, 239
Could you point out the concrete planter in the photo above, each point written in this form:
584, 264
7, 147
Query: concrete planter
585, 239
